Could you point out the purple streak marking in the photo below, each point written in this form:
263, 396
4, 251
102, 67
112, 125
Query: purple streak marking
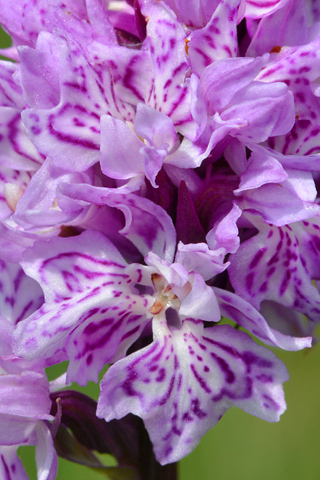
256, 259
131, 332
195, 408
6, 469
200, 380
223, 365
24, 311
166, 397
12, 134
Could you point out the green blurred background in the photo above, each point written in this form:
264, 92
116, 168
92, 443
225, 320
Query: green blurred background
242, 447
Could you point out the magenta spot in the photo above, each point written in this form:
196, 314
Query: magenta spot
263, 378
161, 375
263, 288
203, 384
285, 282
304, 69
36, 130
195, 408
5, 468
89, 359
256, 259
116, 293
186, 417
270, 403
166, 397
78, 123
249, 281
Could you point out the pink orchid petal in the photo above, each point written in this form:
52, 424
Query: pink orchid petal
279, 265
186, 379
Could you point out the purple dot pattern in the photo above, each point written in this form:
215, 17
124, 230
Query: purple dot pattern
94, 311
279, 264
187, 379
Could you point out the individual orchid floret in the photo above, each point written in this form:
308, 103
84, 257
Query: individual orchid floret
33, 207
280, 195
231, 85
16, 150
93, 310
171, 91
93, 81
42, 204
240, 106
298, 67
127, 154
280, 264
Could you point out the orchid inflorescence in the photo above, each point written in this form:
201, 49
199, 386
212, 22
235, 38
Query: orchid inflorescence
159, 174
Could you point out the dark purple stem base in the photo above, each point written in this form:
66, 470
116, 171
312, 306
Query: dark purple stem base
149, 468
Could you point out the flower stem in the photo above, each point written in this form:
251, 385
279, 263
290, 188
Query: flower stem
149, 468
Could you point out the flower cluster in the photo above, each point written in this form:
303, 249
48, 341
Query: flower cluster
159, 169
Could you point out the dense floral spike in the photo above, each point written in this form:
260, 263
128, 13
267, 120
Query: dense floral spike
174, 145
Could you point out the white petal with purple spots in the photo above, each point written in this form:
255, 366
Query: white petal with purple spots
185, 381
88, 286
